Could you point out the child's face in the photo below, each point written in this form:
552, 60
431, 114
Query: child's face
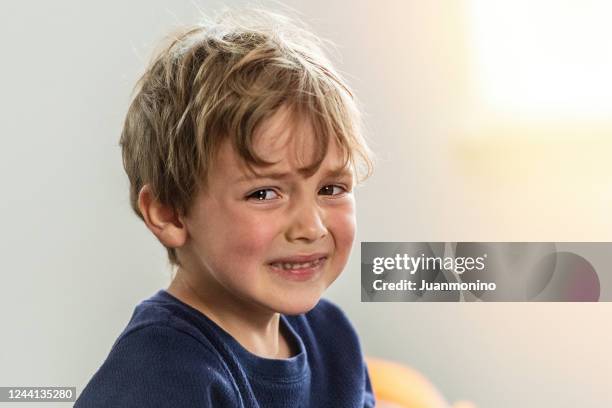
272, 242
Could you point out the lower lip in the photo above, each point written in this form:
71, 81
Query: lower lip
299, 275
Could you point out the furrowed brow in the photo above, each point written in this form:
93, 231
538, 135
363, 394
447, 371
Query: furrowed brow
337, 172
257, 176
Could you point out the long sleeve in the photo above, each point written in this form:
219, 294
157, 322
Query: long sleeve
159, 366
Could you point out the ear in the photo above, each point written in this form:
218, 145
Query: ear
162, 220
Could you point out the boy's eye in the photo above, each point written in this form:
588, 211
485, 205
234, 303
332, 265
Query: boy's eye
263, 195
332, 190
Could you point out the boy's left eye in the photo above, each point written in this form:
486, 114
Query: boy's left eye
332, 190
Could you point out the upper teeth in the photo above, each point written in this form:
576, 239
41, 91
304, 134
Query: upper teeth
291, 265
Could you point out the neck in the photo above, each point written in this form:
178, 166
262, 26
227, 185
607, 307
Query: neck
257, 329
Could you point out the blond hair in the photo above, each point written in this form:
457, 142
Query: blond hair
219, 81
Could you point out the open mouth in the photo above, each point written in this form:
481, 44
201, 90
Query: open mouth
297, 266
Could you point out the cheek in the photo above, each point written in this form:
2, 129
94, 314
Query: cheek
250, 236
342, 225
230, 239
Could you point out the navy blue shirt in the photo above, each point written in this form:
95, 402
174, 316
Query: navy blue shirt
172, 355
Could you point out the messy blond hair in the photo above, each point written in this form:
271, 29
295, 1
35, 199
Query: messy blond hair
220, 80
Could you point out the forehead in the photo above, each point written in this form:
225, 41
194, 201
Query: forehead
285, 135
286, 140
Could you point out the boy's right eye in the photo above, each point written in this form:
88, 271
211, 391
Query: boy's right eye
265, 194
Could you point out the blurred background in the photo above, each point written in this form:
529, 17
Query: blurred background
491, 120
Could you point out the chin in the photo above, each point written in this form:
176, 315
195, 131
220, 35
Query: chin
297, 305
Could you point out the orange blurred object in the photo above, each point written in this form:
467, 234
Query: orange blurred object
396, 385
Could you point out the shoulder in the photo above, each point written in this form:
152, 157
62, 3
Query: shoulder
159, 364
165, 340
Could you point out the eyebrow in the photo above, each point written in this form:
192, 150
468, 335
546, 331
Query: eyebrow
337, 172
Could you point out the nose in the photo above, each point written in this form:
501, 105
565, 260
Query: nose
307, 224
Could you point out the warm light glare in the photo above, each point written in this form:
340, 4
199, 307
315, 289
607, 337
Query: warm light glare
545, 59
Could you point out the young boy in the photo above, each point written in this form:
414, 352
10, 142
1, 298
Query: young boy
242, 147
